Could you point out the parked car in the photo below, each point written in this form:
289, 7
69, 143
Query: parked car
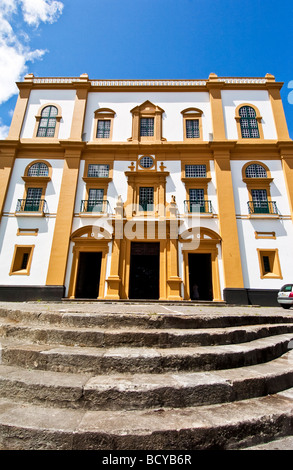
285, 296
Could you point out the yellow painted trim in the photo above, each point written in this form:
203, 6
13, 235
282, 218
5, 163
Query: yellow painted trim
62, 231
38, 118
228, 224
19, 251
274, 260
19, 113
278, 112
207, 245
265, 235
31, 232
147, 109
257, 117
103, 114
192, 113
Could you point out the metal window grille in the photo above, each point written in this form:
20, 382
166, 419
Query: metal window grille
146, 198
98, 171
248, 122
195, 171
255, 171
192, 128
96, 194
95, 200
38, 169
196, 195
146, 162
103, 131
33, 199
47, 122
147, 127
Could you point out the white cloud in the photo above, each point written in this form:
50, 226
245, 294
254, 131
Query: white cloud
36, 11
15, 51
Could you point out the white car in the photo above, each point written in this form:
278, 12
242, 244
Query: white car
285, 296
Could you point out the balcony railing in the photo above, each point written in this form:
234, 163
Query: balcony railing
198, 206
262, 207
94, 205
31, 205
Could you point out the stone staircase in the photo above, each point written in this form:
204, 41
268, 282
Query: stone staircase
130, 381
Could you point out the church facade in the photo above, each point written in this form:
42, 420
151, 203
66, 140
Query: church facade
147, 189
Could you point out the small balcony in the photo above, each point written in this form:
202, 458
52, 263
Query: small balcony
100, 206
262, 207
29, 206
199, 206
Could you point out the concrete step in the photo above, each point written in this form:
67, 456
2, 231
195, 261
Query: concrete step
142, 391
196, 320
97, 361
135, 336
215, 427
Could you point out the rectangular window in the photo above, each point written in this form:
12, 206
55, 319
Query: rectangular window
103, 130
95, 201
195, 171
33, 199
98, 171
260, 201
22, 259
269, 264
146, 199
146, 127
192, 128
196, 200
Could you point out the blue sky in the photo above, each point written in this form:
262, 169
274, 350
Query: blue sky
148, 39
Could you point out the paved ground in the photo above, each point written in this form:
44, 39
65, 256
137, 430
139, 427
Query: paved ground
144, 307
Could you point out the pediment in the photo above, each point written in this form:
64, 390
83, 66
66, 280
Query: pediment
147, 108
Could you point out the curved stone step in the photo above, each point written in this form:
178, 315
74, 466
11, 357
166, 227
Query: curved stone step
142, 360
141, 391
214, 427
197, 319
137, 337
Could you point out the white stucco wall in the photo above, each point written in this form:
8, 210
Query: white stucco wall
248, 226
64, 98
171, 103
259, 98
45, 225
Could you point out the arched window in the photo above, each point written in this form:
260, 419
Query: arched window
38, 169
255, 171
48, 121
248, 122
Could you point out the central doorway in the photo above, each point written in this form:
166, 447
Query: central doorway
88, 275
200, 276
144, 270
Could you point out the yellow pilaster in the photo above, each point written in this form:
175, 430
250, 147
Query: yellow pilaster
63, 224
214, 88
7, 156
277, 107
114, 279
20, 108
82, 88
227, 219
286, 153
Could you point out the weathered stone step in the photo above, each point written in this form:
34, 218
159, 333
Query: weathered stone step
147, 360
141, 391
143, 320
214, 427
135, 337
